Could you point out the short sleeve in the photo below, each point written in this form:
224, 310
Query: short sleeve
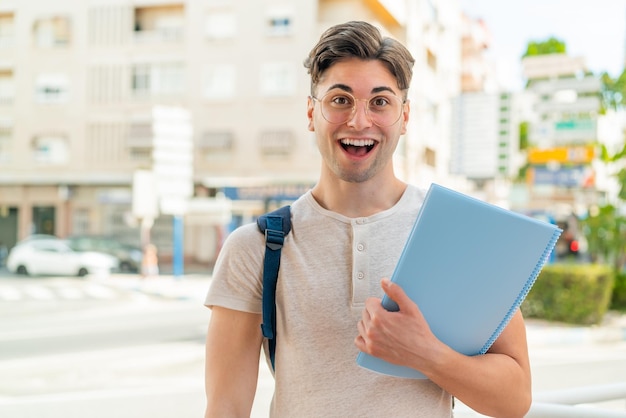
237, 281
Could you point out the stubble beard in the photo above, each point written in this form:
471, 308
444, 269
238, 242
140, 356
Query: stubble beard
355, 174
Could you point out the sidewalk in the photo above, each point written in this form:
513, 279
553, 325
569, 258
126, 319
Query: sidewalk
184, 287
541, 332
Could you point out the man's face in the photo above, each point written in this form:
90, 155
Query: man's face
358, 149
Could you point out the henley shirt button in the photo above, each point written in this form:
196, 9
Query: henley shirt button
360, 247
360, 275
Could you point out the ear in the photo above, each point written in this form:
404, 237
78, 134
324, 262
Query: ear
310, 108
406, 110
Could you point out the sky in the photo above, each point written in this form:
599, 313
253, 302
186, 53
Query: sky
593, 29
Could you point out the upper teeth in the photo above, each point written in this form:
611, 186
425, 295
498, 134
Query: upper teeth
358, 142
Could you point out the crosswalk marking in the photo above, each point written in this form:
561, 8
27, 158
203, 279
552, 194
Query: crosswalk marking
55, 291
97, 291
70, 293
38, 292
9, 293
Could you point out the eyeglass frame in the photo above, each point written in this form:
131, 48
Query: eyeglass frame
354, 107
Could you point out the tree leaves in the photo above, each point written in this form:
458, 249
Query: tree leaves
550, 46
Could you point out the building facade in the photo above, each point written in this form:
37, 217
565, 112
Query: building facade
79, 82
563, 133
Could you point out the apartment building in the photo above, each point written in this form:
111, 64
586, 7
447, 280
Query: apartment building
485, 137
79, 82
485, 123
563, 133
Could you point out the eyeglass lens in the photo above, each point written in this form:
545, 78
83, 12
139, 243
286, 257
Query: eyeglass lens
383, 110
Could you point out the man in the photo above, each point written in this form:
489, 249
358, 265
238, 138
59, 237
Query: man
347, 234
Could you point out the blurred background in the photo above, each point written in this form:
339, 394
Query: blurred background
165, 124
137, 119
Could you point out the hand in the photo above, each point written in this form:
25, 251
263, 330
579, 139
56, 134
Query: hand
401, 337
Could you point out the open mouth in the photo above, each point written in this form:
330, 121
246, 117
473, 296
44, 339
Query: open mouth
358, 147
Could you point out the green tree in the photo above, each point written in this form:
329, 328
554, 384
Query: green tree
613, 91
605, 227
523, 136
605, 231
551, 45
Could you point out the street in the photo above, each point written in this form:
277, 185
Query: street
79, 347
75, 345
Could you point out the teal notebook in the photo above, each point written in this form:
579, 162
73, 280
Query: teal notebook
468, 265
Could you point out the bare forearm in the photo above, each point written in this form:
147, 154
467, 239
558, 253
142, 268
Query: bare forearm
497, 383
232, 363
227, 398
491, 384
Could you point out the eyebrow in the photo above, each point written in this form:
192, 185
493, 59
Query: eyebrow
348, 89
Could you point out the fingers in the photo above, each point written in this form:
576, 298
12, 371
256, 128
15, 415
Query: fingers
405, 304
360, 341
394, 292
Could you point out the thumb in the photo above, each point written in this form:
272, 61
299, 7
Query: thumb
396, 294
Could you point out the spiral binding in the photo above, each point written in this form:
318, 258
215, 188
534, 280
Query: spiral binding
524, 292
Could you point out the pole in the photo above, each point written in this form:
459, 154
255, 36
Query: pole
178, 259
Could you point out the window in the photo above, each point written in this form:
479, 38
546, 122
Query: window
7, 87
141, 154
216, 145
279, 25
220, 81
52, 88
160, 23
52, 32
217, 141
158, 79
278, 79
50, 150
139, 141
81, 221
7, 29
276, 143
140, 135
220, 25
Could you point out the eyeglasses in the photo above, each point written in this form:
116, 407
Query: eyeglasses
339, 107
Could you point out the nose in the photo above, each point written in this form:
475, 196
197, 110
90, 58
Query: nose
360, 118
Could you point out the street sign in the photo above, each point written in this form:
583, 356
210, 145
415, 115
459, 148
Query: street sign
577, 176
172, 158
572, 155
145, 205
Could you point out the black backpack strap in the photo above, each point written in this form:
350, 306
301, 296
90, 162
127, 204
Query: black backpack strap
275, 225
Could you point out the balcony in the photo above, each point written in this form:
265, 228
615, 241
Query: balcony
159, 24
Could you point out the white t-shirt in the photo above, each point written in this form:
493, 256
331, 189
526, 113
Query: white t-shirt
330, 265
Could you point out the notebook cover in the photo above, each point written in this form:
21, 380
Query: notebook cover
468, 265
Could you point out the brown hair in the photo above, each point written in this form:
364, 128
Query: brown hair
359, 40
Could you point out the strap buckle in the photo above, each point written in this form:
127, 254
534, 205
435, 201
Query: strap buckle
274, 239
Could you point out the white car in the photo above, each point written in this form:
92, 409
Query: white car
56, 258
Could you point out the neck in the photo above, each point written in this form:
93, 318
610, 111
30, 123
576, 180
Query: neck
356, 200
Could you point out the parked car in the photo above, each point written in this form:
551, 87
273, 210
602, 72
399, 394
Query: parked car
33, 237
55, 257
129, 256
